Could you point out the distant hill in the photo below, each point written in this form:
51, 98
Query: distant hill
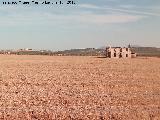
146, 51
81, 52
135, 46
141, 51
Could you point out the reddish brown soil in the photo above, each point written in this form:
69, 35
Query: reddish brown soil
90, 88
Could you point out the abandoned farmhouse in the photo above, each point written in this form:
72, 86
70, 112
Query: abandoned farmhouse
119, 52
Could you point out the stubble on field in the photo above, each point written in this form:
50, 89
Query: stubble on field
61, 87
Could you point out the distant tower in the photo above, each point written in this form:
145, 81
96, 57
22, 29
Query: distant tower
129, 46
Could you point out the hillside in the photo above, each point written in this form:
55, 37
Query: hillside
146, 51
141, 51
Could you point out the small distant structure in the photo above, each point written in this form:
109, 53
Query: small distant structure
119, 52
25, 49
28, 49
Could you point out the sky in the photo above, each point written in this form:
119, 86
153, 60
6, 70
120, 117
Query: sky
87, 24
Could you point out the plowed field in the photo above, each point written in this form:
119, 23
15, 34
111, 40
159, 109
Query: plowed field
86, 88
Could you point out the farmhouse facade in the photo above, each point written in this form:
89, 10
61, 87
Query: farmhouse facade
119, 52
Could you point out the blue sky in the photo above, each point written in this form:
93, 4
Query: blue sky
89, 23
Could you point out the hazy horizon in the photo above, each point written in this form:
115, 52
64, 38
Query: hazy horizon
88, 24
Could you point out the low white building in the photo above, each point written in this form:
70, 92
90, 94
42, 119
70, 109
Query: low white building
119, 52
